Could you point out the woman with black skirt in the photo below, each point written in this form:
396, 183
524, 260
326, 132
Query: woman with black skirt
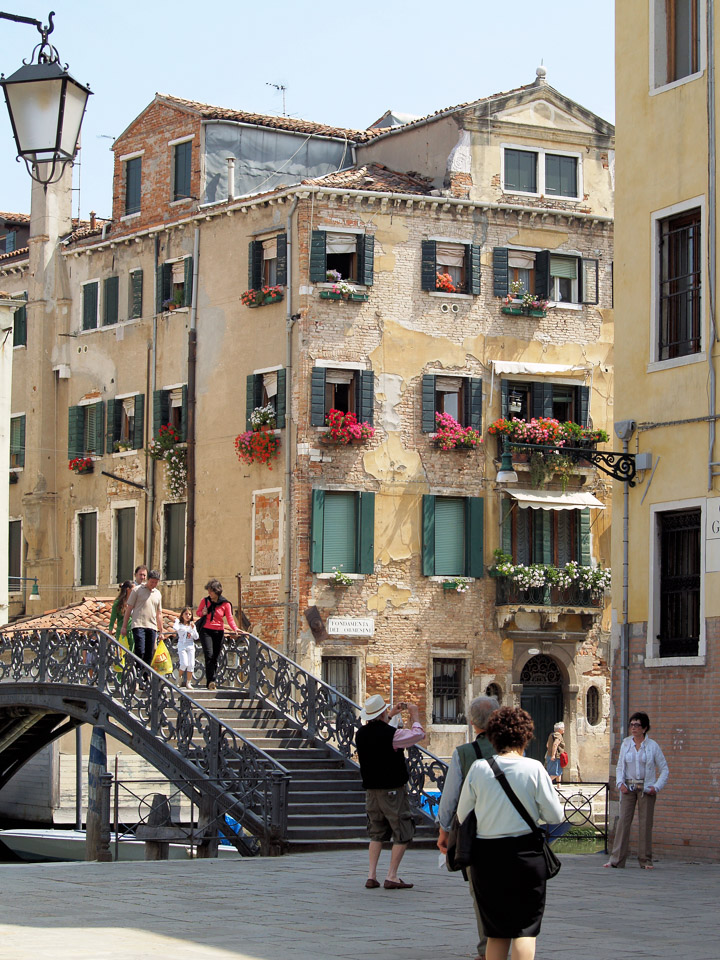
509, 871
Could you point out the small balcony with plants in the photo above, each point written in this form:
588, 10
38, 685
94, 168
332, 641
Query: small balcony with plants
548, 589
262, 297
342, 289
520, 302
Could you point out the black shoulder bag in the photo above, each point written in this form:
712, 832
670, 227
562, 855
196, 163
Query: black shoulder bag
551, 861
461, 836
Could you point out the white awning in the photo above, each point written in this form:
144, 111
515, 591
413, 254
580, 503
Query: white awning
538, 369
553, 500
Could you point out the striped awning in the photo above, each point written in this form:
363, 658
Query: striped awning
554, 500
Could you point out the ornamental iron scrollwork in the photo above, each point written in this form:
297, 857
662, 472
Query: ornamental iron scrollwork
619, 466
541, 670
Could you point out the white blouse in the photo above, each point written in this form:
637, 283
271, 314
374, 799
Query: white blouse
496, 816
187, 633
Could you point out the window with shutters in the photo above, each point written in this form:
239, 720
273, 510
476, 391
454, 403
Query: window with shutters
125, 423
133, 185
174, 284
266, 389
170, 407
677, 32
124, 543
679, 286
86, 553
452, 536
458, 396
110, 300
448, 691
20, 322
450, 267
677, 616
15, 556
90, 304
8, 242
267, 262
135, 294
343, 532
337, 255
546, 536
174, 541
86, 430
541, 173
182, 170
17, 441
561, 279
349, 390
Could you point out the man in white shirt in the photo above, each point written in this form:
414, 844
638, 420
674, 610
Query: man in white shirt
642, 772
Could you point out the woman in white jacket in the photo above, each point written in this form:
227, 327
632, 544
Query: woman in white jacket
642, 772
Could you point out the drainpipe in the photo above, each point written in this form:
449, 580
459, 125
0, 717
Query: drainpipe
624, 429
712, 235
191, 431
290, 319
152, 386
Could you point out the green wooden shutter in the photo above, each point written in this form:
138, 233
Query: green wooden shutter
139, 422
10, 238
506, 506
318, 257
450, 557
161, 410
584, 554
114, 412
90, 305
136, 294
542, 399
472, 403
317, 397
163, 290
504, 398
428, 403
249, 399
428, 267
589, 281
98, 441
20, 323
17, 441
366, 390
340, 532
366, 533
281, 399
501, 273
428, 535
583, 394
542, 536
474, 508
542, 274
188, 285
184, 413
472, 268
255, 264
281, 264
76, 423
366, 259
317, 522
110, 300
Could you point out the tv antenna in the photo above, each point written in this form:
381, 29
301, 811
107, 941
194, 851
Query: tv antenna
281, 88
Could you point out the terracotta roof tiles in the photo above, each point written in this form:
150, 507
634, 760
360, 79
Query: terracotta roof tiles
15, 217
88, 612
375, 177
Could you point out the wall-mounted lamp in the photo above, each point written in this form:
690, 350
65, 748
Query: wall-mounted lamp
506, 473
35, 590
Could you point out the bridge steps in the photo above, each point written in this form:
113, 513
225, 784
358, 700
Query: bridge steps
326, 800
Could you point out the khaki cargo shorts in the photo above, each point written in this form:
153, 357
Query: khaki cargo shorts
389, 815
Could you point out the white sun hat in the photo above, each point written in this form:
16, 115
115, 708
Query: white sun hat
374, 706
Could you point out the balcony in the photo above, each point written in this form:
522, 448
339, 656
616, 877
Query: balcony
577, 597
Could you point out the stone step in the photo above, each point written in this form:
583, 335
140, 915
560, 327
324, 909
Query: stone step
337, 806
341, 779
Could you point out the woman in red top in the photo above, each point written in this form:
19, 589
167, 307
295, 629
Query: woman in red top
210, 626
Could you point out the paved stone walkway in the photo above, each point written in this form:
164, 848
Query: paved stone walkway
315, 906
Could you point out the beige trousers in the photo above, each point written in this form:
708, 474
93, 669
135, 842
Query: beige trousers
482, 939
645, 804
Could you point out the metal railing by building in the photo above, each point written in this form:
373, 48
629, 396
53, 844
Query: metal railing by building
509, 591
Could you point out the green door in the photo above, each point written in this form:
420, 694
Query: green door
544, 703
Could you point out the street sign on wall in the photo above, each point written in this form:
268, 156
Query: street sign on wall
351, 626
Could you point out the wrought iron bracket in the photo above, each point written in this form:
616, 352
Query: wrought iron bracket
619, 466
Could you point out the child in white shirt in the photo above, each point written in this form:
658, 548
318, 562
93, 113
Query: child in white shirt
187, 635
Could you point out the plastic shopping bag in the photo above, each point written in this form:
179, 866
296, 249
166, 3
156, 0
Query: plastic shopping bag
123, 641
161, 660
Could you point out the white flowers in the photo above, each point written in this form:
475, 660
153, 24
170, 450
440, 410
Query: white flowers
596, 579
341, 578
263, 415
459, 584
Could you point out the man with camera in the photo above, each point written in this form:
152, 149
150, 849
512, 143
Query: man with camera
380, 747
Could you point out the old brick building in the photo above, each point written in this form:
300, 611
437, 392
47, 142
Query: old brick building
384, 264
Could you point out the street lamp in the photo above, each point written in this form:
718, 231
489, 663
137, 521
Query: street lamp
506, 473
46, 107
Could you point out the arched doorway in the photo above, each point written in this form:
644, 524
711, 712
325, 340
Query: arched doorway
542, 698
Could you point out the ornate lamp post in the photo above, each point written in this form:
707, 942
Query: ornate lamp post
46, 107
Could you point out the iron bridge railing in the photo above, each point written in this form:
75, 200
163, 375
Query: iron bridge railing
239, 776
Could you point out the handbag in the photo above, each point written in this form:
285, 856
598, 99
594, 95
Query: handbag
461, 836
564, 759
551, 861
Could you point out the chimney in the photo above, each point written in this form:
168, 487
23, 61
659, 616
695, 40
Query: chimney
93, 221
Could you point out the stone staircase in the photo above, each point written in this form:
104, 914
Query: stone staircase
326, 801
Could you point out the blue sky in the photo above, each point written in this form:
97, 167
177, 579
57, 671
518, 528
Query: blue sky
340, 68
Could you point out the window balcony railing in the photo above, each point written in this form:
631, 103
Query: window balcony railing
511, 592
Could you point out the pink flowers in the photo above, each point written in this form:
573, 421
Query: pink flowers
345, 428
450, 435
546, 431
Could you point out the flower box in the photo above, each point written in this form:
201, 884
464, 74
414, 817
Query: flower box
268, 300
13, 478
81, 465
331, 295
523, 312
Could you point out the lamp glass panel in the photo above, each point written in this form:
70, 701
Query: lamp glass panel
75, 100
35, 107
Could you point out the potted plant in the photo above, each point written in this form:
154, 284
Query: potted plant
120, 446
261, 297
263, 417
345, 429
340, 579
451, 436
81, 465
456, 584
444, 282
